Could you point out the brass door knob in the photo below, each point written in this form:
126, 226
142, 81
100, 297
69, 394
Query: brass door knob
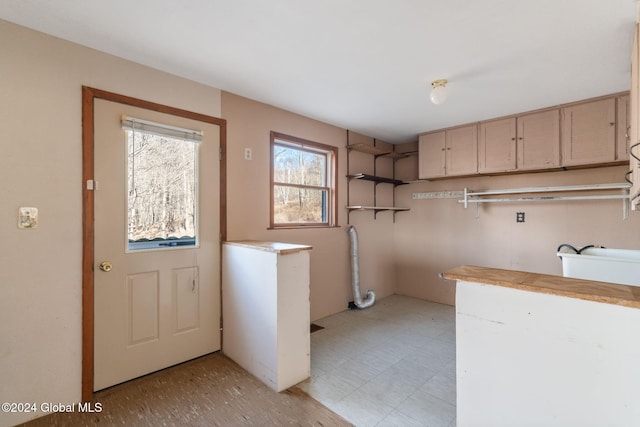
105, 266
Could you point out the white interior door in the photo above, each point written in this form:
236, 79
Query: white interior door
158, 303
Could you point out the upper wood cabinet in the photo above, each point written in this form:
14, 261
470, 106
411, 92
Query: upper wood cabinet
462, 151
527, 142
634, 123
589, 133
623, 127
597, 132
431, 155
539, 140
452, 152
497, 146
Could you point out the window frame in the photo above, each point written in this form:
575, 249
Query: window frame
331, 174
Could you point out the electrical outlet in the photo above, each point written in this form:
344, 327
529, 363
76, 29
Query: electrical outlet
247, 153
519, 216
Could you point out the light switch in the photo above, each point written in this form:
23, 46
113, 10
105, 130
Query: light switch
27, 218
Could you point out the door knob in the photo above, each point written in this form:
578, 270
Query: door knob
105, 266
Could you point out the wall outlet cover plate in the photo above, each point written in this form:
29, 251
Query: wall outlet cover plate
27, 218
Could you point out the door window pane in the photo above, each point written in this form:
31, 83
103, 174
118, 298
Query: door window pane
162, 191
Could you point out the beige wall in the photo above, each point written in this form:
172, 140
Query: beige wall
40, 165
437, 235
249, 124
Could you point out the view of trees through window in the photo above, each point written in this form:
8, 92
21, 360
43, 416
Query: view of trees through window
300, 185
162, 195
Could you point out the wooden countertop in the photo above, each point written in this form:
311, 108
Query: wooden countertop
609, 293
275, 247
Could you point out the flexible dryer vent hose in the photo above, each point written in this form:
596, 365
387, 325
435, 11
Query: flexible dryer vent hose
370, 297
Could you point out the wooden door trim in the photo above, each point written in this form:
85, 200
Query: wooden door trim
89, 95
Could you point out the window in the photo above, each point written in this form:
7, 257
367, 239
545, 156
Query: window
162, 182
303, 179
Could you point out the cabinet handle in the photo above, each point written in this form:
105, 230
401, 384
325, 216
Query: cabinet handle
521, 138
513, 139
612, 123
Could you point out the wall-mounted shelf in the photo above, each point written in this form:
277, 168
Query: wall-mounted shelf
376, 179
376, 209
369, 149
396, 155
376, 152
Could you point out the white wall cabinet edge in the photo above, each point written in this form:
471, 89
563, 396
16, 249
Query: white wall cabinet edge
266, 312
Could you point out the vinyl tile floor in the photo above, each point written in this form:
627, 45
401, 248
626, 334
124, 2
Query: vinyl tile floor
392, 364
209, 391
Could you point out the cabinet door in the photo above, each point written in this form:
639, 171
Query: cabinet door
497, 146
539, 140
431, 155
589, 133
462, 151
623, 124
634, 107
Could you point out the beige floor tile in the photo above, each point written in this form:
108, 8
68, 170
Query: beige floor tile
362, 411
392, 364
397, 383
398, 419
442, 387
426, 408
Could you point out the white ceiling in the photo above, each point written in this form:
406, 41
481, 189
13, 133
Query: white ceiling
365, 65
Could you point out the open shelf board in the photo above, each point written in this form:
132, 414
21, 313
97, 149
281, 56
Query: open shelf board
376, 179
369, 149
397, 155
376, 208
379, 152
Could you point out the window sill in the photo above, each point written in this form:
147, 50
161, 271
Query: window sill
301, 227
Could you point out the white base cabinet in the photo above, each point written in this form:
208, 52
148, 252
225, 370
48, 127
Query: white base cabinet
265, 309
535, 359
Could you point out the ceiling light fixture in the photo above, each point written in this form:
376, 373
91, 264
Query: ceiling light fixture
439, 91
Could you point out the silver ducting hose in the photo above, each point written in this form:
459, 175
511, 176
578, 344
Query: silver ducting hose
355, 274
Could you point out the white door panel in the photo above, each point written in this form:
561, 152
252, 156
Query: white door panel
154, 308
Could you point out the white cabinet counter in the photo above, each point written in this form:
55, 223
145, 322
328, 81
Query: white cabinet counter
265, 310
542, 350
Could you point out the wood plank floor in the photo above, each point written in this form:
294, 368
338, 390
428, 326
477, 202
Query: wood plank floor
208, 391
